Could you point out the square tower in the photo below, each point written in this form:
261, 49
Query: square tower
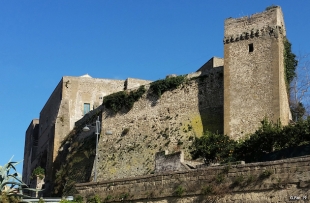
254, 77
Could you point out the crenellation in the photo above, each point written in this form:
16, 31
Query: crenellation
272, 31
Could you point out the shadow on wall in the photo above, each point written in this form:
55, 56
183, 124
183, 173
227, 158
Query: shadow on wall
73, 164
210, 100
290, 152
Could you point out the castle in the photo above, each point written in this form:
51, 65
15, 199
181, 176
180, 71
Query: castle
230, 95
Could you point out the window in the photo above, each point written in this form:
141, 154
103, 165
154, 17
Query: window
251, 47
86, 108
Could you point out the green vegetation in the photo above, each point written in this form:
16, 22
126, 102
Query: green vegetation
179, 191
123, 196
219, 178
68, 201
268, 138
38, 172
109, 197
161, 86
74, 166
290, 62
265, 174
213, 147
237, 181
123, 99
207, 190
11, 184
41, 200
5, 198
94, 199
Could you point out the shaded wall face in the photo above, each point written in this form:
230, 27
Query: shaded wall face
154, 124
31, 145
45, 151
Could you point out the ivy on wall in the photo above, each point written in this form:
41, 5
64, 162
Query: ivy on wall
290, 62
123, 99
161, 86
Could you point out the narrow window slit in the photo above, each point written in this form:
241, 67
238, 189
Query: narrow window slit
251, 47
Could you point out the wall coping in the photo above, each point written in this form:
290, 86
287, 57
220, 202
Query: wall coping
247, 165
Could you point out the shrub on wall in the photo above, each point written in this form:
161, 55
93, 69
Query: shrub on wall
213, 147
123, 99
268, 138
290, 62
263, 141
161, 86
38, 172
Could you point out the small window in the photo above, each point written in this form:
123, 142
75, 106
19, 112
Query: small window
86, 108
251, 47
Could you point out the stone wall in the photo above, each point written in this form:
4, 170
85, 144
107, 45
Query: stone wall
63, 108
254, 79
169, 162
155, 124
31, 146
214, 62
131, 83
275, 181
270, 17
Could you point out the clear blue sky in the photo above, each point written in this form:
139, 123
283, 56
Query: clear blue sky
41, 41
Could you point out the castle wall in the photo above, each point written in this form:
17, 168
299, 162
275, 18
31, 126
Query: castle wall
169, 162
64, 107
48, 117
275, 181
131, 83
30, 149
214, 62
231, 100
254, 85
270, 17
154, 124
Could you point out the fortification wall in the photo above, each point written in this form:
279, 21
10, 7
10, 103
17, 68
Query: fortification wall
80, 90
258, 21
155, 124
131, 83
76, 92
46, 151
169, 162
275, 181
31, 145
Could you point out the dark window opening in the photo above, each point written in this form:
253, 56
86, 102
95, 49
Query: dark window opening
251, 47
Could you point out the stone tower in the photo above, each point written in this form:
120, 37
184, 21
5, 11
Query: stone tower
254, 78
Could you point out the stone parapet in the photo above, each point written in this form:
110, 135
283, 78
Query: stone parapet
274, 181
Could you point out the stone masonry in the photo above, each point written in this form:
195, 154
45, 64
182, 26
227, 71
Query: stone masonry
254, 81
274, 181
230, 95
64, 107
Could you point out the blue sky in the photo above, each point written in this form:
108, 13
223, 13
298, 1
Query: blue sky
41, 41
